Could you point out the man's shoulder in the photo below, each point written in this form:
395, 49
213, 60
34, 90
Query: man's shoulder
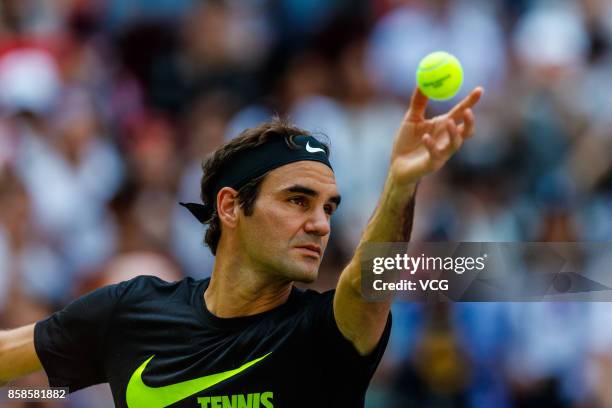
151, 287
149, 281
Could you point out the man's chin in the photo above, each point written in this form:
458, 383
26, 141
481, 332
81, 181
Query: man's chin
310, 278
304, 274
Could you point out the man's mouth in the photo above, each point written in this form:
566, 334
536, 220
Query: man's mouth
311, 248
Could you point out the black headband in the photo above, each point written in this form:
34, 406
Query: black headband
252, 163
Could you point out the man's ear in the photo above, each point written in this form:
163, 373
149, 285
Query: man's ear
228, 206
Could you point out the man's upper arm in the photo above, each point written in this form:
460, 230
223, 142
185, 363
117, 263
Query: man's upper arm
17, 353
361, 322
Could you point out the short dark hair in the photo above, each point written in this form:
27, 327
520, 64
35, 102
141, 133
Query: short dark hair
247, 194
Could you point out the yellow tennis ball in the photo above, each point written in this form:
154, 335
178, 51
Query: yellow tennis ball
439, 75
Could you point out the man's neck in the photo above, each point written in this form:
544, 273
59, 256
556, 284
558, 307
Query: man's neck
238, 290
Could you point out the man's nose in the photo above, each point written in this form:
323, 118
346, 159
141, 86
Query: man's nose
318, 223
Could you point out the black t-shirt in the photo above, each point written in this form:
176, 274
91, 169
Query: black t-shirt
157, 345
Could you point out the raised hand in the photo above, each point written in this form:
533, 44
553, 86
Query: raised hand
423, 145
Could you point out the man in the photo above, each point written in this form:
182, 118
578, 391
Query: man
246, 337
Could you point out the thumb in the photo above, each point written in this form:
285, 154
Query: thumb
418, 104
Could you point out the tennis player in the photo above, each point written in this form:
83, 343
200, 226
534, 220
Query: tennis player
247, 337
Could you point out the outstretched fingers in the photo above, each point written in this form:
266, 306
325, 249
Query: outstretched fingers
467, 128
447, 140
468, 102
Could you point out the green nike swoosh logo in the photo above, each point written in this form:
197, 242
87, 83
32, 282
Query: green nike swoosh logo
139, 395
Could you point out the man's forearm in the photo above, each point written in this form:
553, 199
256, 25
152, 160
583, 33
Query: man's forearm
394, 216
392, 221
3, 357
17, 354
3, 381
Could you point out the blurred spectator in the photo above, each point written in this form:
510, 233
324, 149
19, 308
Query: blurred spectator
19, 92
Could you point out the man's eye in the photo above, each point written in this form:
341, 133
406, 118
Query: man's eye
298, 200
329, 209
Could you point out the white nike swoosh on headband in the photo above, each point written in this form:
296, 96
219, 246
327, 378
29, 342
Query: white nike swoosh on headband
310, 149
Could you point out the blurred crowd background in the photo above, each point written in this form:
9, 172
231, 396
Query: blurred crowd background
108, 108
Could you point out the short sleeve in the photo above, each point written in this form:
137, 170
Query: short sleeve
71, 342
